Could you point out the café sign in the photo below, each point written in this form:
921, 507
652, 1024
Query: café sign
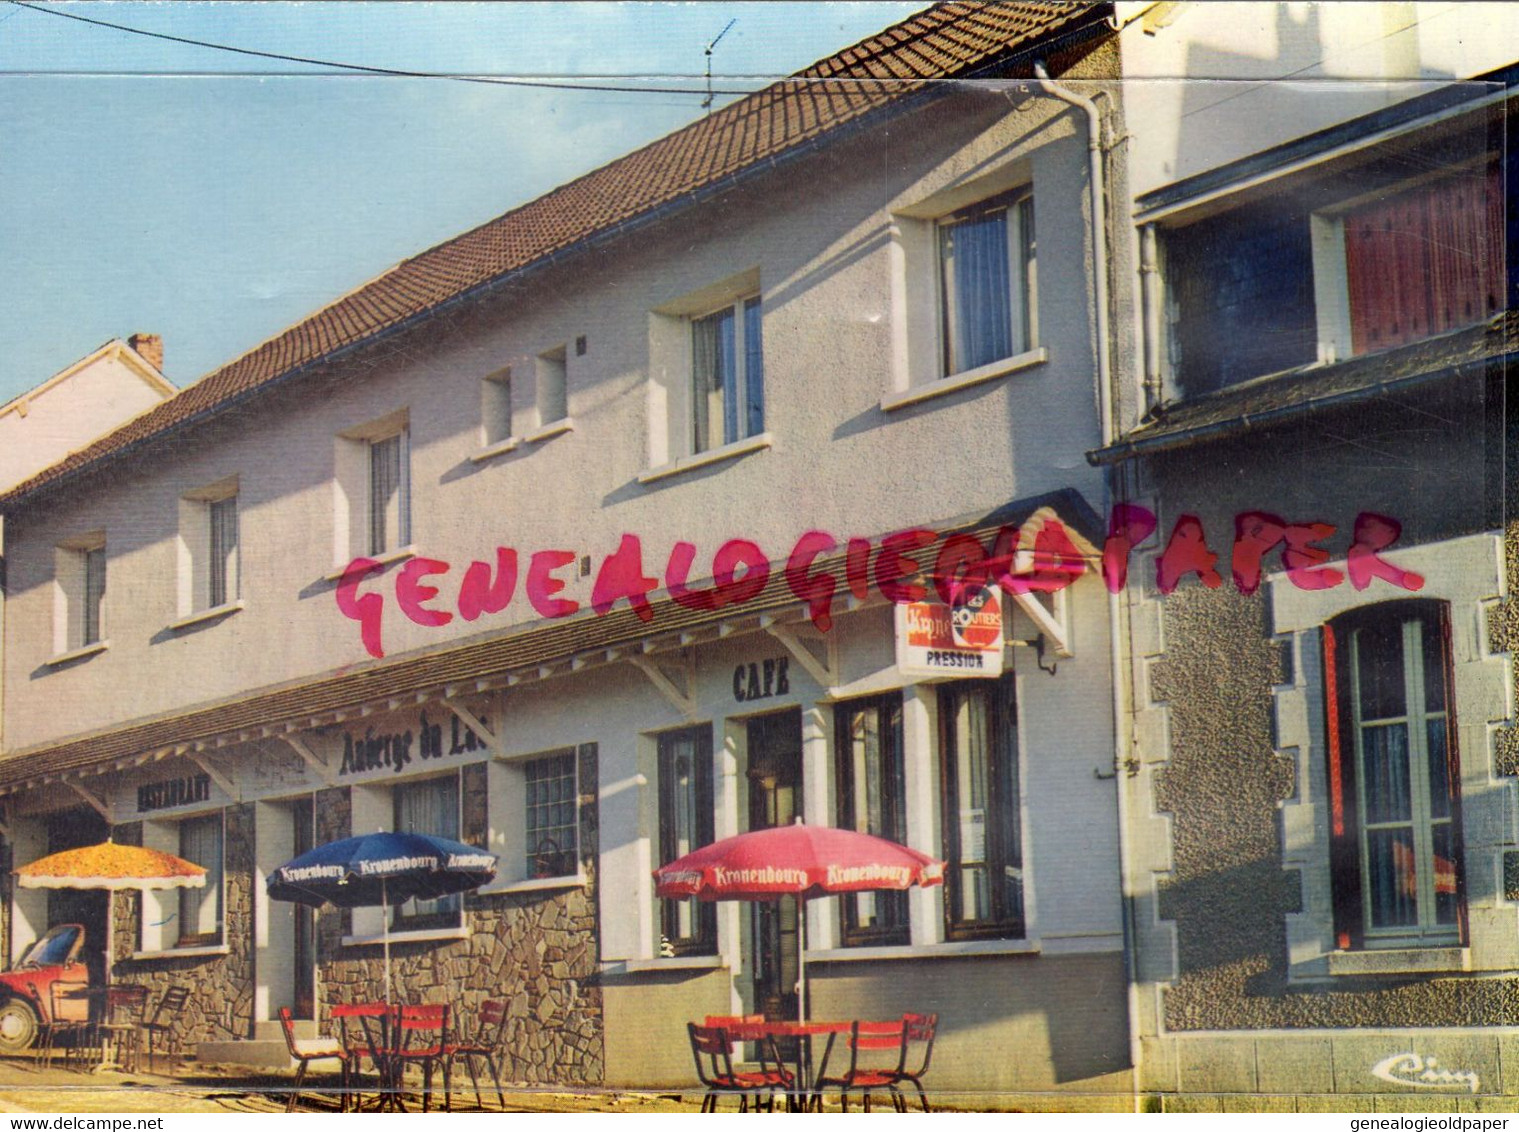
960, 638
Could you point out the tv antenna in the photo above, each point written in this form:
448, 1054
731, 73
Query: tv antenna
706, 103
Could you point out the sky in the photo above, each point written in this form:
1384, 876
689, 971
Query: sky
215, 198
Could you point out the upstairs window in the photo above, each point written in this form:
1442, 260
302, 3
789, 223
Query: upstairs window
496, 408
1394, 777
986, 282
727, 375
80, 572
552, 373
221, 560
389, 493
1379, 250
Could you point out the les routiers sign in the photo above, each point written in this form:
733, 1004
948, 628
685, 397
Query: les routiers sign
959, 639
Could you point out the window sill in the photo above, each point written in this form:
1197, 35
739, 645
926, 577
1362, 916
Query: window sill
500, 448
553, 428
212, 614
401, 552
77, 654
537, 884
711, 456
927, 951
184, 952
1401, 961
955, 382
676, 963
421, 936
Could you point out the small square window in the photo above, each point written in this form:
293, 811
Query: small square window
553, 387
987, 282
496, 408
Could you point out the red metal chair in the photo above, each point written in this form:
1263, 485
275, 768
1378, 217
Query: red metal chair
485, 1044
422, 1039
307, 1050
120, 1026
711, 1047
70, 1013
920, 1029
364, 1031
877, 1056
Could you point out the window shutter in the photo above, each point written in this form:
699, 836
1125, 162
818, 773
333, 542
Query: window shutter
1441, 623
1344, 832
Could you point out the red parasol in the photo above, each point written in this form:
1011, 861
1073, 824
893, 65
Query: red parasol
801, 861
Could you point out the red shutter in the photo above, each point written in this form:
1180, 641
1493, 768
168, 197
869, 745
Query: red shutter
1344, 850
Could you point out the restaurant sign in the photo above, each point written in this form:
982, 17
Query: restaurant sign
173, 792
963, 638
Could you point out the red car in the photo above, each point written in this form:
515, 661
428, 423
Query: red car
26, 990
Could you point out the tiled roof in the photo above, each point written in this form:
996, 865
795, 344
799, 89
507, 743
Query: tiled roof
949, 40
1281, 397
552, 643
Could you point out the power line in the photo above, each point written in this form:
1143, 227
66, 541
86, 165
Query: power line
390, 71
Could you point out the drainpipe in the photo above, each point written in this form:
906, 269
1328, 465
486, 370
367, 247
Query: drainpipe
1099, 237
1121, 758
1149, 300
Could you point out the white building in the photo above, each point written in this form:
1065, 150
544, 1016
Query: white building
861, 302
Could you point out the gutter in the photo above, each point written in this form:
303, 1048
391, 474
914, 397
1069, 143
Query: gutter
932, 88
1246, 422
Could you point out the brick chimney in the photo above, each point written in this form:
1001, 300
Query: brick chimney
151, 347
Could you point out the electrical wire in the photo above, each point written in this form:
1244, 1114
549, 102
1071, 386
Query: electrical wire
390, 71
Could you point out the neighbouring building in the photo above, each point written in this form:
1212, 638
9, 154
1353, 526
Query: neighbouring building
590, 536
1321, 855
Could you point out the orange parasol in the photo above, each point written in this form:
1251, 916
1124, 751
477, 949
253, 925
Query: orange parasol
111, 867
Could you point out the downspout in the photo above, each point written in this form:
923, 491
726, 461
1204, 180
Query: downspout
1121, 754
1149, 301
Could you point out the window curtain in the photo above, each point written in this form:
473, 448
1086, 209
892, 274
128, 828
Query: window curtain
200, 842
389, 494
714, 379
430, 807
754, 368
94, 594
978, 308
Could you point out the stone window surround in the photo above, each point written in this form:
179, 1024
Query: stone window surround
1468, 573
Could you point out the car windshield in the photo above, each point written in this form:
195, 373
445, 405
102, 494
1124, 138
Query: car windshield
54, 948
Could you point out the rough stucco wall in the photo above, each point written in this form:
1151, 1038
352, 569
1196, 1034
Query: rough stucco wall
221, 986
1228, 895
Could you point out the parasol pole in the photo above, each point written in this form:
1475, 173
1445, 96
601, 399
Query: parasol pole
801, 959
385, 935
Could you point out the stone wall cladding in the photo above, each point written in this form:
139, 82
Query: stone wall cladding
538, 951
221, 986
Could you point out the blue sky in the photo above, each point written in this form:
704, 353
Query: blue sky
215, 198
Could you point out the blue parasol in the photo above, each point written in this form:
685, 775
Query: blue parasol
377, 868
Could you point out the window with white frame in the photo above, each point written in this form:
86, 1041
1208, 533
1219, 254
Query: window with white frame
1388, 246
79, 568
373, 481
428, 806
200, 909
209, 548
1394, 776
987, 276
983, 826
687, 927
872, 799
727, 375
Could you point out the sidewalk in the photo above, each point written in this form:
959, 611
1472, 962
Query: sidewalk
26, 1087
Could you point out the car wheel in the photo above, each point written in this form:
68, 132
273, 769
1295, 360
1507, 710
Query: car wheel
18, 1026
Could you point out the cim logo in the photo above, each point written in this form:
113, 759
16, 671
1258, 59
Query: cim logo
1423, 1073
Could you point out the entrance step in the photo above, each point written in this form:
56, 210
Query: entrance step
255, 1054
270, 1031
